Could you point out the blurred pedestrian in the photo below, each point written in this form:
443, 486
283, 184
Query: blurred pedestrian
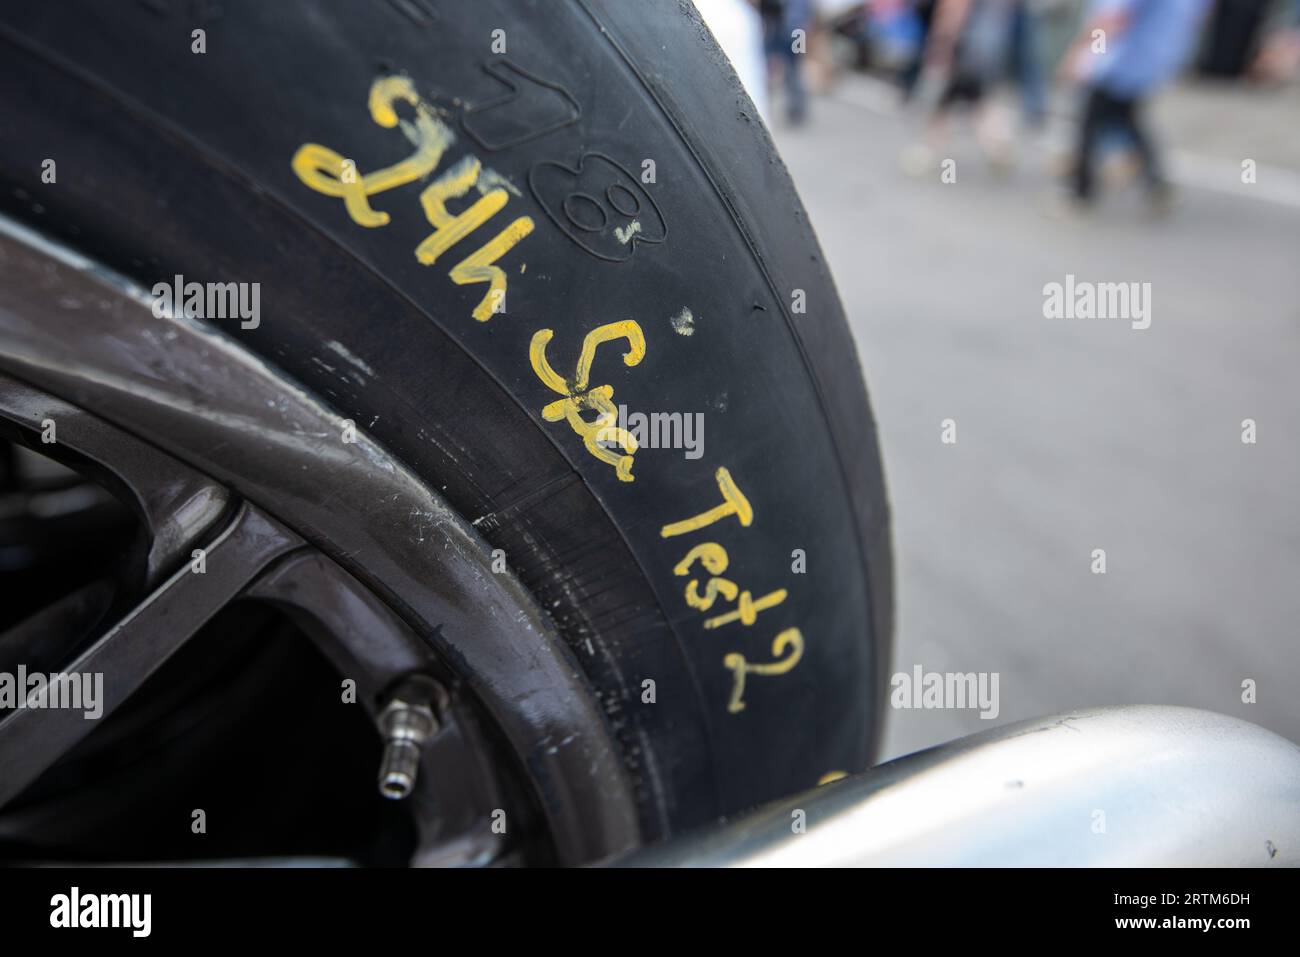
1233, 36
1026, 65
910, 75
1278, 60
1126, 51
786, 25
966, 52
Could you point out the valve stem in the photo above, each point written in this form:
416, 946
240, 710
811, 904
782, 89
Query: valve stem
407, 721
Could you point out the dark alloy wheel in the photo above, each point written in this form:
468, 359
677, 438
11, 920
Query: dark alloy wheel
435, 425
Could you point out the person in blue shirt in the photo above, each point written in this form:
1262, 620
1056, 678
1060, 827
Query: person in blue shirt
1126, 51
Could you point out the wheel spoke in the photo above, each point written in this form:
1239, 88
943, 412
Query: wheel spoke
33, 738
46, 638
178, 505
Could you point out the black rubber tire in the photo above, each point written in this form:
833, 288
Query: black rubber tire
174, 161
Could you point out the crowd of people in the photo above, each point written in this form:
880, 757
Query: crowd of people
947, 55
1123, 53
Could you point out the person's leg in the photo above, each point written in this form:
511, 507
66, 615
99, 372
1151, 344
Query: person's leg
993, 125
1146, 149
1096, 113
796, 96
911, 74
956, 90
1029, 69
919, 159
772, 59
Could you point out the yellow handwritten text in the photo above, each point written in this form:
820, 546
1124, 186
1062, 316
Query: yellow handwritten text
599, 434
790, 638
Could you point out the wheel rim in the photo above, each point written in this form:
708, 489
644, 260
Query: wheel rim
217, 451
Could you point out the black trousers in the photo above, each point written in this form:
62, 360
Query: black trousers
1103, 112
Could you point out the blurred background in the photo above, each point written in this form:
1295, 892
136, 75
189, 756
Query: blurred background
955, 157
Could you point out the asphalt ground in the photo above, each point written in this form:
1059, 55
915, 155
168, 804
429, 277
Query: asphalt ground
1079, 434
